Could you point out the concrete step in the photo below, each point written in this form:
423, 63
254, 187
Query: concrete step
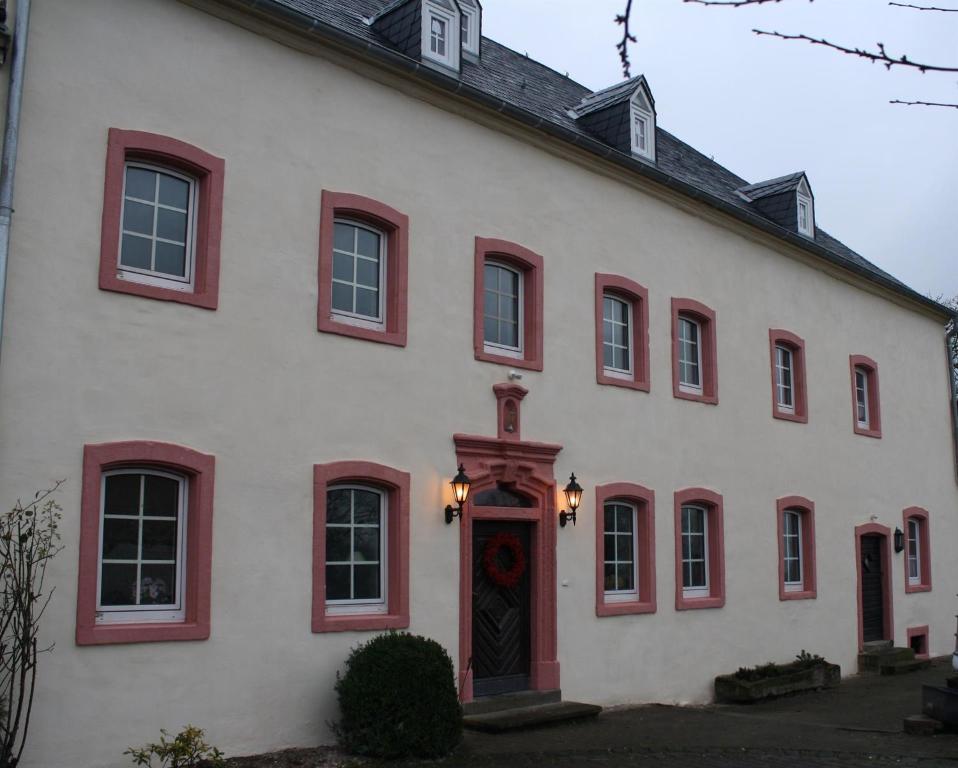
530, 717
900, 667
486, 704
874, 660
874, 646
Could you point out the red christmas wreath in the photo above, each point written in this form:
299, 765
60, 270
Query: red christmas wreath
490, 560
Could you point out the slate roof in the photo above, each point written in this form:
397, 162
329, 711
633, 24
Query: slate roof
772, 186
546, 99
609, 96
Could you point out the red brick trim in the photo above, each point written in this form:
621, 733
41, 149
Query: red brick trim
716, 553
874, 399
396, 485
921, 632
638, 297
778, 336
644, 500
807, 510
706, 318
530, 264
395, 225
199, 468
924, 549
887, 603
208, 170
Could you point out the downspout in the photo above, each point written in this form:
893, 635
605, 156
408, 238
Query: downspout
951, 344
11, 135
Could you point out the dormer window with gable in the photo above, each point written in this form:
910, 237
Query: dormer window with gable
441, 29
471, 26
622, 116
806, 211
643, 126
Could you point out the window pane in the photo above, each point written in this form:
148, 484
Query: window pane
610, 583
138, 217
140, 183
491, 277
122, 495
170, 225
120, 538
367, 273
171, 259
508, 308
366, 509
337, 545
342, 297
625, 577
367, 243
698, 574
697, 547
624, 519
621, 359
159, 539
118, 585
136, 252
173, 191
337, 506
509, 334
608, 357
157, 584
367, 582
160, 495
343, 237
607, 331
490, 330
624, 549
367, 302
366, 544
609, 517
610, 546
337, 582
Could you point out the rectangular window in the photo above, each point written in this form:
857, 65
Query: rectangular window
690, 356
641, 134
861, 396
694, 552
783, 379
914, 553
142, 552
355, 549
616, 335
359, 266
157, 226
502, 309
620, 561
437, 36
792, 550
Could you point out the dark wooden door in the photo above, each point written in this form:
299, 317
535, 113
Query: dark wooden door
500, 616
873, 585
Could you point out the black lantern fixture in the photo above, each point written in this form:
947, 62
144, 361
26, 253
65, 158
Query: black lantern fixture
573, 496
899, 540
460, 490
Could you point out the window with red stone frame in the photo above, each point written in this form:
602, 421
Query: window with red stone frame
638, 534
789, 389
866, 399
702, 357
713, 592
796, 547
622, 292
917, 550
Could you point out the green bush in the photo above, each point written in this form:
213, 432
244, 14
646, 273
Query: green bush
803, 660
185, 750
397, 698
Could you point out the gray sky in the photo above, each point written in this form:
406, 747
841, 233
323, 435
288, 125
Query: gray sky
883, 175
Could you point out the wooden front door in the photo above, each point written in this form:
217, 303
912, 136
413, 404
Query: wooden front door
872, 585
500, 614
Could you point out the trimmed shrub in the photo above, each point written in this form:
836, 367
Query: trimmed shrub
397, 698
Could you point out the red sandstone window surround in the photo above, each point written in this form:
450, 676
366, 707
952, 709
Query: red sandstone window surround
917, 550
796, 548
621, 332
160, 242
340, 612
789, 393
624, 549
694, 355
866, 400
197, 470
508, 298
699, 549
363, 282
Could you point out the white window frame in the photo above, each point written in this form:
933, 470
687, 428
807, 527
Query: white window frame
150, 276
640, 109
698, 591
612, 371
450, 17
622, 595
793, 586
861, 397
470, 16
691, 389
144, 613
490, 347
363, 606
354, 318
783, 355
914, 525
805, 211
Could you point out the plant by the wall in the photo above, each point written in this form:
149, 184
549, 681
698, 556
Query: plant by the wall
185, 750
29, 539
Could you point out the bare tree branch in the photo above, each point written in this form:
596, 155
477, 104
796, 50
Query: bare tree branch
882, 57
627, 37
923, 103
918, 7
734, 3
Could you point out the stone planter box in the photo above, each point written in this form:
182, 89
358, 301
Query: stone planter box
731, 690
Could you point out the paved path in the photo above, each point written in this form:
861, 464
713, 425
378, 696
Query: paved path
857, 724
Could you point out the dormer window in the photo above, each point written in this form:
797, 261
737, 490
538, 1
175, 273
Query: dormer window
806, 213
643, 126
442, 25
471, 26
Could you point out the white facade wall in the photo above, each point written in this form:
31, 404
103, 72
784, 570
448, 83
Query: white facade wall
256, 385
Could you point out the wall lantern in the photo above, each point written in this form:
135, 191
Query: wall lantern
573, 496
460, 490
899, 540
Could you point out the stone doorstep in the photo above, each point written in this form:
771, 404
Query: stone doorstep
898, 667
486, 704
530, 717
872, 659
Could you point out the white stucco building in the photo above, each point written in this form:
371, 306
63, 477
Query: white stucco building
271, 266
